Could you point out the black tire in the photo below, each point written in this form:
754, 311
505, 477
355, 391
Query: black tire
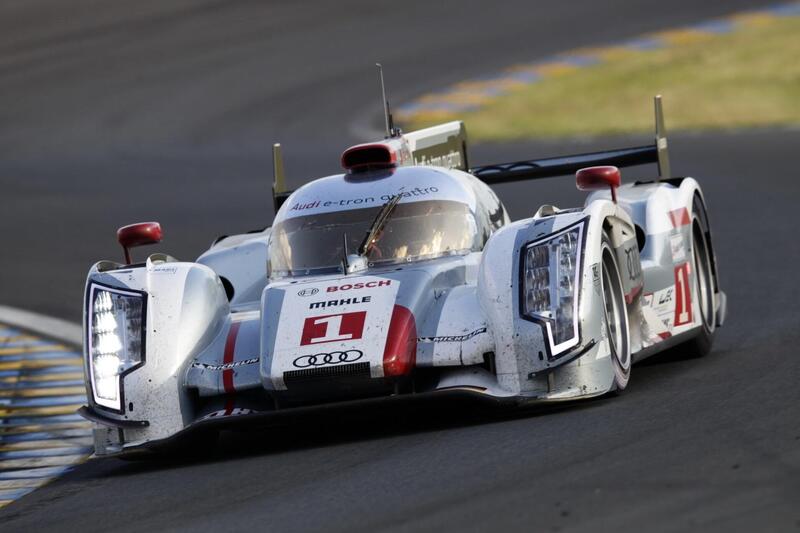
616, 317
701, 345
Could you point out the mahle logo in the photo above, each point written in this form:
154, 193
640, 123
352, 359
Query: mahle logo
308, 292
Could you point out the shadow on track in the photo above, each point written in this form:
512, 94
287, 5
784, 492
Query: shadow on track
373, 422
313, 430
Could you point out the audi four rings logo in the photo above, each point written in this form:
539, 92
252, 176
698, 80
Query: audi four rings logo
333, 358
308, 292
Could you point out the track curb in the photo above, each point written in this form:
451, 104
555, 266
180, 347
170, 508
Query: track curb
47, 326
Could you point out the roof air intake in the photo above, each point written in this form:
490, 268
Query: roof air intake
364, 157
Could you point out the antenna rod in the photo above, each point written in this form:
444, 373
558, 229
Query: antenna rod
345, 262
385, 102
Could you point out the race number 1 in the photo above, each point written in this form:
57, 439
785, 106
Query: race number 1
332, 328
683, 295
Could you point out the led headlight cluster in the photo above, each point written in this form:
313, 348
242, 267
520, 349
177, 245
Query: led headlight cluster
115, 341
550, 285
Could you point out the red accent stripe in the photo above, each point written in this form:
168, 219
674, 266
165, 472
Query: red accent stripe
679, 217
230, 347
400, 353
229, 406
629, 297
665, 335
683, 296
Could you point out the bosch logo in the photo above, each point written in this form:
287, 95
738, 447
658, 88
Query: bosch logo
332, 358
359, 285
308, 292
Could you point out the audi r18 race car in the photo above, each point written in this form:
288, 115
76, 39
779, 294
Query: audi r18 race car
403, 276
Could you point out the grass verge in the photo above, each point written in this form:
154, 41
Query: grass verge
747, 78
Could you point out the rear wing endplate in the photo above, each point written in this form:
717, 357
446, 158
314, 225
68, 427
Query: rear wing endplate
279, 191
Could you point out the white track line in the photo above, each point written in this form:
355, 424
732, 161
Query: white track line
47, 326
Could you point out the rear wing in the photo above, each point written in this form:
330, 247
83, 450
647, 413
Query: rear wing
560, 166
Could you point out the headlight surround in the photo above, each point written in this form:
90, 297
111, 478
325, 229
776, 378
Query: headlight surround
551, 285
115, 341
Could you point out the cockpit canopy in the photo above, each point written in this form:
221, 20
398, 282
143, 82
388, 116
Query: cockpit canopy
439, 214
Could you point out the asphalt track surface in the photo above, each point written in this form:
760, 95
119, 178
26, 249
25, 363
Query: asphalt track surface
165, 110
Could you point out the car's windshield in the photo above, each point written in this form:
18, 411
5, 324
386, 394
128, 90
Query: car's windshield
314, 244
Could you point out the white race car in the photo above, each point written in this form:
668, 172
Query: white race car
403, 276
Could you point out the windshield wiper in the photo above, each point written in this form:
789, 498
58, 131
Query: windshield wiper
373, 234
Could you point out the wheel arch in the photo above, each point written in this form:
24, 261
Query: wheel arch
614, 221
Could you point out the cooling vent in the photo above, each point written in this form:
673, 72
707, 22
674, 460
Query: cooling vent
310, 375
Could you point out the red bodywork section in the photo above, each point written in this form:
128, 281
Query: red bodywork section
679, 217
227, 357
400, 354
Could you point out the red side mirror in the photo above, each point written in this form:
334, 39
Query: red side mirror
138, 235
597, 178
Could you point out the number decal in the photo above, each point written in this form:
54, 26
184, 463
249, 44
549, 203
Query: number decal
332, 328
683, 296
633, 263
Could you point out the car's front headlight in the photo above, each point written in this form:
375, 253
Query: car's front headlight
115, 341
550, 285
